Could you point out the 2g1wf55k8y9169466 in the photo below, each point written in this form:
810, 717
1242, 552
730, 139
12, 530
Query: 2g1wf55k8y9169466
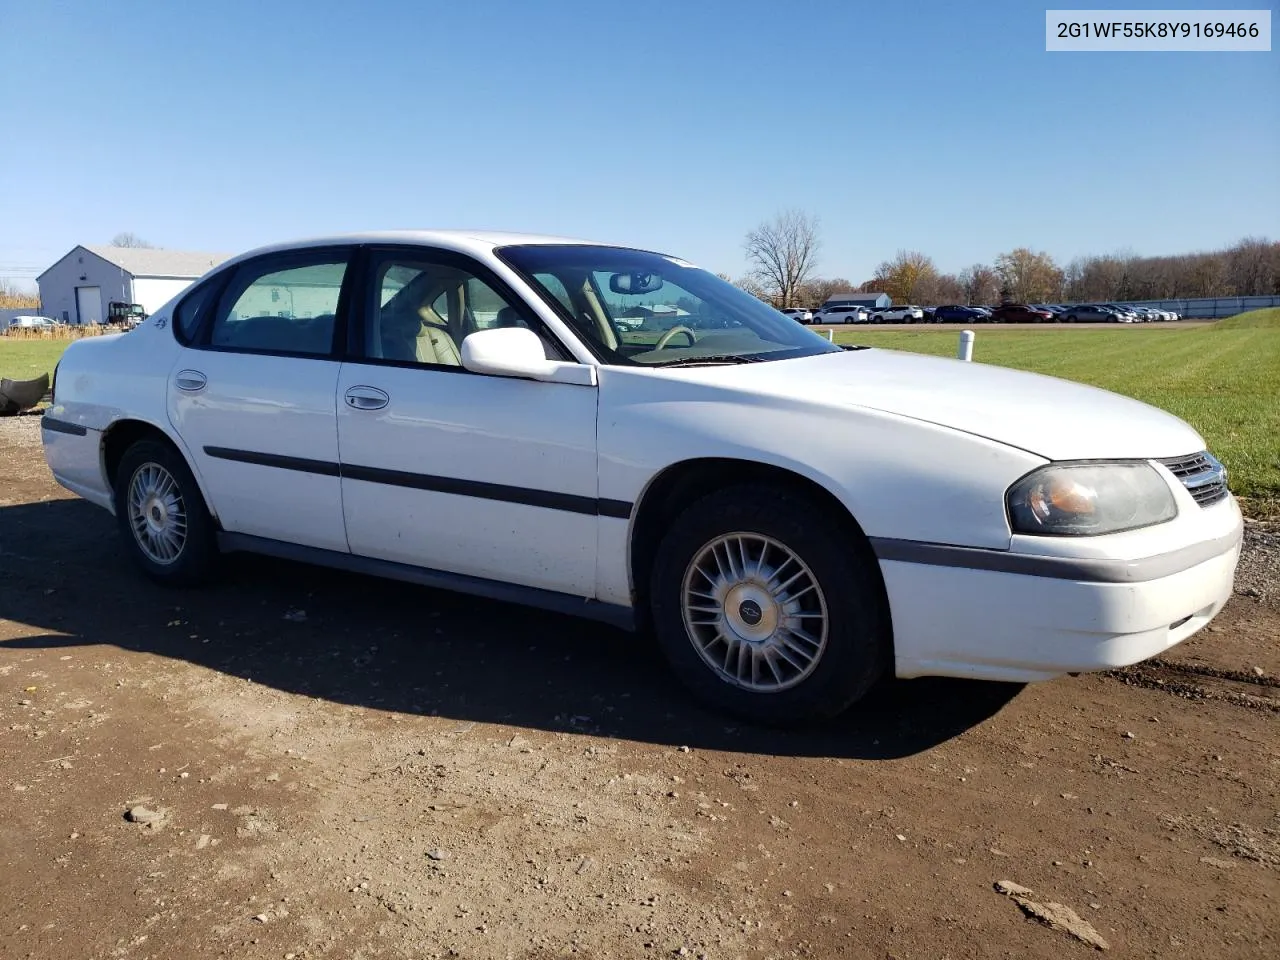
790, 519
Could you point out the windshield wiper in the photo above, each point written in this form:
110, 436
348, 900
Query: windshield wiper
713, 360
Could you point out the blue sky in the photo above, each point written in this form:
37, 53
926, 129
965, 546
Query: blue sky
940, 127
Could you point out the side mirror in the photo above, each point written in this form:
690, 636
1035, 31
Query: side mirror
518, 352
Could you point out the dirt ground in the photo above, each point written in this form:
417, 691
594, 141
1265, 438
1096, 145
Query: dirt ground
323, 765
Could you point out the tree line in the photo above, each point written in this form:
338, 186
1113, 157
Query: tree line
782, 260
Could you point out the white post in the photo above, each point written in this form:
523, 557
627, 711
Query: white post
831, 334
966, 345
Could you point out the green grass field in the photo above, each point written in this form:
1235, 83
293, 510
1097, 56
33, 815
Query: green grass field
23, 359
1223, 379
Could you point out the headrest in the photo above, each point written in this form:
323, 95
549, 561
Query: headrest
507, 317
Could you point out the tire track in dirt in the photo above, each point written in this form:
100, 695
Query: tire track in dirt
1198, 682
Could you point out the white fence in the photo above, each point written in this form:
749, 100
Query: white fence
1207, 308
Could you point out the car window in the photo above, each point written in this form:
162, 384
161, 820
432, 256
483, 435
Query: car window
194, 310
273, 308
671, 306
420, 311
554, 287
637, 307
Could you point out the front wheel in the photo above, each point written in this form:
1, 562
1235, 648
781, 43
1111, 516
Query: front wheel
766, 609
162, 515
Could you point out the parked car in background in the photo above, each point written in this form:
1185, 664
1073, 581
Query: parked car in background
1123, 314
1054, 309
1021, 313
903, 314
955, 313
789, 519
33, 322
799, 314
842, 313
1091, 313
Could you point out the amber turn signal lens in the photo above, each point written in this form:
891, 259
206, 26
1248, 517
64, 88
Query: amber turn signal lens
1070, 497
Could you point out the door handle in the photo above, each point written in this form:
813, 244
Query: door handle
366, 398
190, 381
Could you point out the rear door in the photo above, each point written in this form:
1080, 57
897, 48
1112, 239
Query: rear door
253, 394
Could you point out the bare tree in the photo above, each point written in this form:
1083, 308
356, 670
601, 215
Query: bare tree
981, 284
127, 239
816, 292
783, 254
1251, 267
1099, 279
940, 288
907, 276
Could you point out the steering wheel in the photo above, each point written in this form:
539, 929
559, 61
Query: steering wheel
666, 337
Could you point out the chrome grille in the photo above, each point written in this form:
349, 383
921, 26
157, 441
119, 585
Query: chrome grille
1204, 477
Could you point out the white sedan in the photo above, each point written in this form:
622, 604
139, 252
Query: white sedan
799, 314
26, 322
842, 313
791, 519
903, 314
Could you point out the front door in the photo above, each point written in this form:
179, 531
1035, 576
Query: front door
486, 476
253, 396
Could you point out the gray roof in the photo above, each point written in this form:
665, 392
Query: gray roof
856, 295
148, 262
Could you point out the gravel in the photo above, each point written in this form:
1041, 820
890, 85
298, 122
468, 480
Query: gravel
1258, 575
22, 430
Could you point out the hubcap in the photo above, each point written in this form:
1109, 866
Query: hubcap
755, 612
157, 513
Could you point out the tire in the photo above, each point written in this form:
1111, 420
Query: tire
195, 551
850, 655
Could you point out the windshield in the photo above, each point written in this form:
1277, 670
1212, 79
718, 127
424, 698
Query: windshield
634, 307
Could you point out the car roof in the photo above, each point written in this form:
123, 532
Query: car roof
462, 241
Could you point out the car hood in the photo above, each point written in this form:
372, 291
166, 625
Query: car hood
1053, 418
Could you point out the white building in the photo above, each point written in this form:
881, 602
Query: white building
78, 288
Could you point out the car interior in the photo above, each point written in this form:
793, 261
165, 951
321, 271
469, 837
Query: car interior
710, 330
422, 313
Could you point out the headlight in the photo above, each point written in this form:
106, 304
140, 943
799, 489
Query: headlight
1085, 499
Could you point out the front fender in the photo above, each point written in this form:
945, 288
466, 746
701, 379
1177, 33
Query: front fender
900, 478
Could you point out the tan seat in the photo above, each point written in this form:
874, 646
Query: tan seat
436, 346
406, 335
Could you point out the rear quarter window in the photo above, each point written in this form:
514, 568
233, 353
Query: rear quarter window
194, 310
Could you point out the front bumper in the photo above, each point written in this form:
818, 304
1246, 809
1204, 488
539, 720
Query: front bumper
998, 625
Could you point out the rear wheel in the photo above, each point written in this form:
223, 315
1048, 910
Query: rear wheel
162, 515
766, 609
